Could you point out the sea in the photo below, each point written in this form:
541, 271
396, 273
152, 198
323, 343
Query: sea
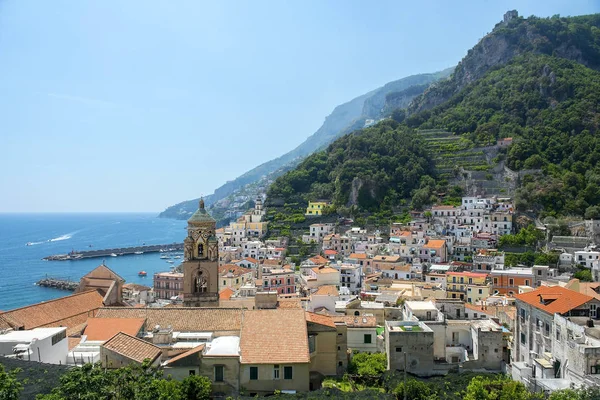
22, 265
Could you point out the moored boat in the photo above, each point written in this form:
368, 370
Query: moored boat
142, 273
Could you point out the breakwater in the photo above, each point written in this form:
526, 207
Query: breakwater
57, 283
121, 251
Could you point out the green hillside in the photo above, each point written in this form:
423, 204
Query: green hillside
547, 103
551, 107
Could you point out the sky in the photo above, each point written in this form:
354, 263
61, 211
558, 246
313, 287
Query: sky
114, 105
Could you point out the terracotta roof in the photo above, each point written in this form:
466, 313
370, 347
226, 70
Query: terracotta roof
252, 260
324, 270
587, 288
434, 244
387, 258
270, 261
103, 272
327, 290
554, 299
319, 319
262, 341
330, 252
236, 270
396, 267
358, 256
289, 303
226, 294
489, 310
54, 311
105, 328
195, 350
73, 342
133, 348
182, 319
319, 260
136, 287
404, 233
356, 322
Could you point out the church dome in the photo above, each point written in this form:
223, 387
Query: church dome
201, 216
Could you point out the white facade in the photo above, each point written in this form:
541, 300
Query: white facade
47, 345
351, 278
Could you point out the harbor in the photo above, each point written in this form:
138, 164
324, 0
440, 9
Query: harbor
123, 251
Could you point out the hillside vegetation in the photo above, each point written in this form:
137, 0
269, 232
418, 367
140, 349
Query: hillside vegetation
549, 105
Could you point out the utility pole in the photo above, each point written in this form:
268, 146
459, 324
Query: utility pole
405, 388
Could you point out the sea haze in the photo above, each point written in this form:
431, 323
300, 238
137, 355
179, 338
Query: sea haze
21, 265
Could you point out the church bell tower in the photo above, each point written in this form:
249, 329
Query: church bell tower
201, 261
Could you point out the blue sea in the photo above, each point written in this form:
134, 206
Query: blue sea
21, 265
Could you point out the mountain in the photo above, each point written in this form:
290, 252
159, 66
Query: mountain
546, 98
573, 38
345, 118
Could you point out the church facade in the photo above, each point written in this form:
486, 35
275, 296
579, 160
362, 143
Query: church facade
201, 261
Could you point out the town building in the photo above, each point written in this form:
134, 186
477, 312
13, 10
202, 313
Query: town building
315, 208
233, 276
168, 285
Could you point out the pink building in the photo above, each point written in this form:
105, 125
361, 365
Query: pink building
168, 284
280, 280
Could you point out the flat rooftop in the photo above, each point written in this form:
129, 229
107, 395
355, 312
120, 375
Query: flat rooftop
28, 336
223, 346
421, 305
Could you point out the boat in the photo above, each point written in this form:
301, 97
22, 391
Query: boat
170, 261
142, 273
165, 257
29, 244
113, 255
138, 252
177, 257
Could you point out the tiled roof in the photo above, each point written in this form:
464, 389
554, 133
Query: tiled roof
554, 299
195, 350
356, 322
319, 319
467, 274
326, 290
434, 244
53, 311
387, 258
133, 348
274, 337
235, 270
226, 294
270, 261
103, 272
252, 260
403, 267
73, 342
182, 319
358, 256
330, 252
319, 260
105, 328
289, 303
587, 288
324, 270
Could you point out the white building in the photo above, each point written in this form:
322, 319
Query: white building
351, 277
47, 345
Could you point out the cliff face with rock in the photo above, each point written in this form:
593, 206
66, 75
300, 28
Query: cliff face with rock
572, 38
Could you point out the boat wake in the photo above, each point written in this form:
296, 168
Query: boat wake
66, 236
33, 243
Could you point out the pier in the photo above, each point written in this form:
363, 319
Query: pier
122, 251
57, 283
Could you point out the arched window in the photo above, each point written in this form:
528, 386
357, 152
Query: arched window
356, 313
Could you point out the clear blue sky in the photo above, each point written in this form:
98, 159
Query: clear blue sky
136, 105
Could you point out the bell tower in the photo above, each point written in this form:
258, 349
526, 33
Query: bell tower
201, 261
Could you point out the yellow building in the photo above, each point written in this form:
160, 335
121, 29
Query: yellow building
315, 208
468, 286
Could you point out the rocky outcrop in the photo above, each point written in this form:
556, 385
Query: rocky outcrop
510, 38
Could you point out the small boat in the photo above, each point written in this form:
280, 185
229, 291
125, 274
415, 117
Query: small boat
165, 257
142, 273
138, 252
177, 257
113, 255
170, 261
29, 244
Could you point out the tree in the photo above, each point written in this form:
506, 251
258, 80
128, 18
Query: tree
415, 390
584, 275
10, 387
365, 364
196, 387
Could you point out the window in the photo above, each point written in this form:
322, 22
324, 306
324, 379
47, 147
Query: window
192, 372
219, 373
558, 335
224, 283
58, 337
495, 281
398, 349
287, 372
253, 373
475, 315
368, 338
511, 281
526, 282
547, 329
356, 313
522, 338
480, 291
276, 371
